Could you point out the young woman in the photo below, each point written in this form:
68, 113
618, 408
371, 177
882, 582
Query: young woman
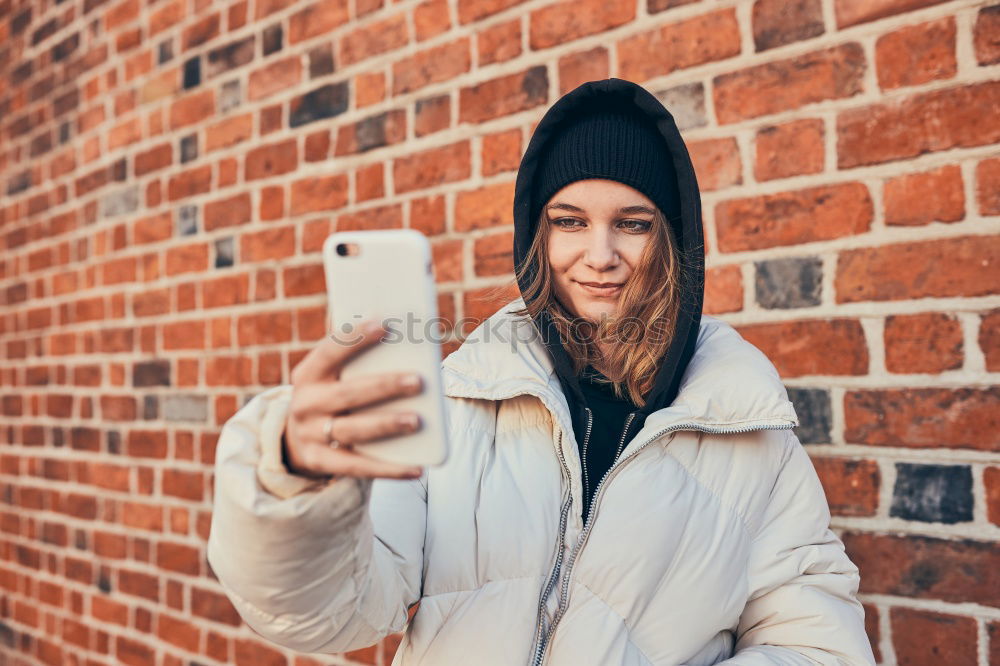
624, 486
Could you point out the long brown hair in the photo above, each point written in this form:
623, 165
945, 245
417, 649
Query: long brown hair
643, 326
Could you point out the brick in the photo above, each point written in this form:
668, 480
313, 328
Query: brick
432, 65
147, 444
190, 183
501, 152
813, 408
789, 149
431, 18
304, 280
991, 483
480, 304
432, 114
952, 570
178, 632
851, 486
723, 290
916, 54
965, 266
192, 408
369, 88
192, 109
274, 243
488, 206
956, 117
271, 160
928, 342
204, 30
853, 12
985, 32
381, 217
790, 218
323, 102
446, 257
151, 373
319, 18
274, 77
988, 186
228, 371
503, 95
794, 282
226, 290
494, 254
922, 637
120, 202
582, 66
383, 129
228, 212
228, 132
921, 198
474, 10
706, 38
250, 651
264, 329
192, 258
785, 85
178, 557
372, 39
431, 167
812, 347
321, 61
319, 193
427, 215
686, 103
716, 163
272, 39
569, 20
498, 43
912, 418
213, 606
932, 493
165, 15
192, 73
776, 23
154, 159
989, 339
230, 56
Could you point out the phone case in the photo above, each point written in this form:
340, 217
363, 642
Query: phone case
391, 278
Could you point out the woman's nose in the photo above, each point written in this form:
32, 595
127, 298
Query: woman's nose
601, 252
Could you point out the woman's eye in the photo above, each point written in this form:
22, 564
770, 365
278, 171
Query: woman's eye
637, 225
565, 222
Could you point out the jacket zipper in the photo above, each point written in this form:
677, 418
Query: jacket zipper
541, 651
586, 442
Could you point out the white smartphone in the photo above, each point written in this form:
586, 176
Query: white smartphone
388, 275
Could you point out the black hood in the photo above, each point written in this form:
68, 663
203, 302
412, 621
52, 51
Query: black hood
687, 232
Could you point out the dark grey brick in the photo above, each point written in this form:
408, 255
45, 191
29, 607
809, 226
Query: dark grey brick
686, 103
114, 442
165, 51
789, 283
151, 373
189, 148
19, 182
323, 102
224, 252
192, 72
229, 56
65, 132
271, 39
321, 61
932, 493
187, 220
812, 405
371, 132
150, 407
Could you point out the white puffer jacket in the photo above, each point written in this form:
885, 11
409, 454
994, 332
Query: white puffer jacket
709, 541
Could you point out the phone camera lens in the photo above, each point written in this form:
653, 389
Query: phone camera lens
342, 249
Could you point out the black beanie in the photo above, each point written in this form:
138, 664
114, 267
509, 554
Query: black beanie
612, 143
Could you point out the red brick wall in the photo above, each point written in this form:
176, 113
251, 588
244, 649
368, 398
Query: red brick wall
171, 167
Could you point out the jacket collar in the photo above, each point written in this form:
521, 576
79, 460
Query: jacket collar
728, 385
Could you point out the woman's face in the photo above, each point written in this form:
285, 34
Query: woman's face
597, 231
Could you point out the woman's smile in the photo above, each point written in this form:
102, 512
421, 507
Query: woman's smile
602, 289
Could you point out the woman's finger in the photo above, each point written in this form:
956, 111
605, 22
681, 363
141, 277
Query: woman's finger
333, 351
342, 462
365, 427
357, 392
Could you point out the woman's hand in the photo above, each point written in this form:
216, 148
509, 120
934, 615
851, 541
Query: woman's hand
318, 393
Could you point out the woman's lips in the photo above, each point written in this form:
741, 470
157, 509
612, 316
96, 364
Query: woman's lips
601, 291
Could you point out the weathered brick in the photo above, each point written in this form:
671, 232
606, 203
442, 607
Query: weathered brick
988, 186
146, 444
203, 30
213, 606
319, 18
932, 493
228, 212
695, 41
922, 636
686, 103
569, 20
319, 193
369, 182
151, 373
985, 32
716, 162
916, 54
274, 77
323, 102
964, 266
439, 63
795, 282
853, 12
431, 167
190, 183
271, 160
776, 23
230, 56
384, 129
228, 132
956, 117
488, 206
387, 34
920, 198
380, 217
723, 290
929, 342
784, 85
179, 407
989, 339
812, 406
494, 254
812, 347
790, 218
912, 418
431, 18
499, 43
789, 149
503, 95
446, 257
432, 114
474, 10
991, 483
851, 486
273, 243
192, 109
120, 202
427, 215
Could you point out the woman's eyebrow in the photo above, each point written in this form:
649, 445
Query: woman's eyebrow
625, 210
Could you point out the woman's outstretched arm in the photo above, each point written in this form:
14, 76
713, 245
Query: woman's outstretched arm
802, 607
302, 561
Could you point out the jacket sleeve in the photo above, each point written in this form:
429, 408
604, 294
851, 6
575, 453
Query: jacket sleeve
802, 607
316, 567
